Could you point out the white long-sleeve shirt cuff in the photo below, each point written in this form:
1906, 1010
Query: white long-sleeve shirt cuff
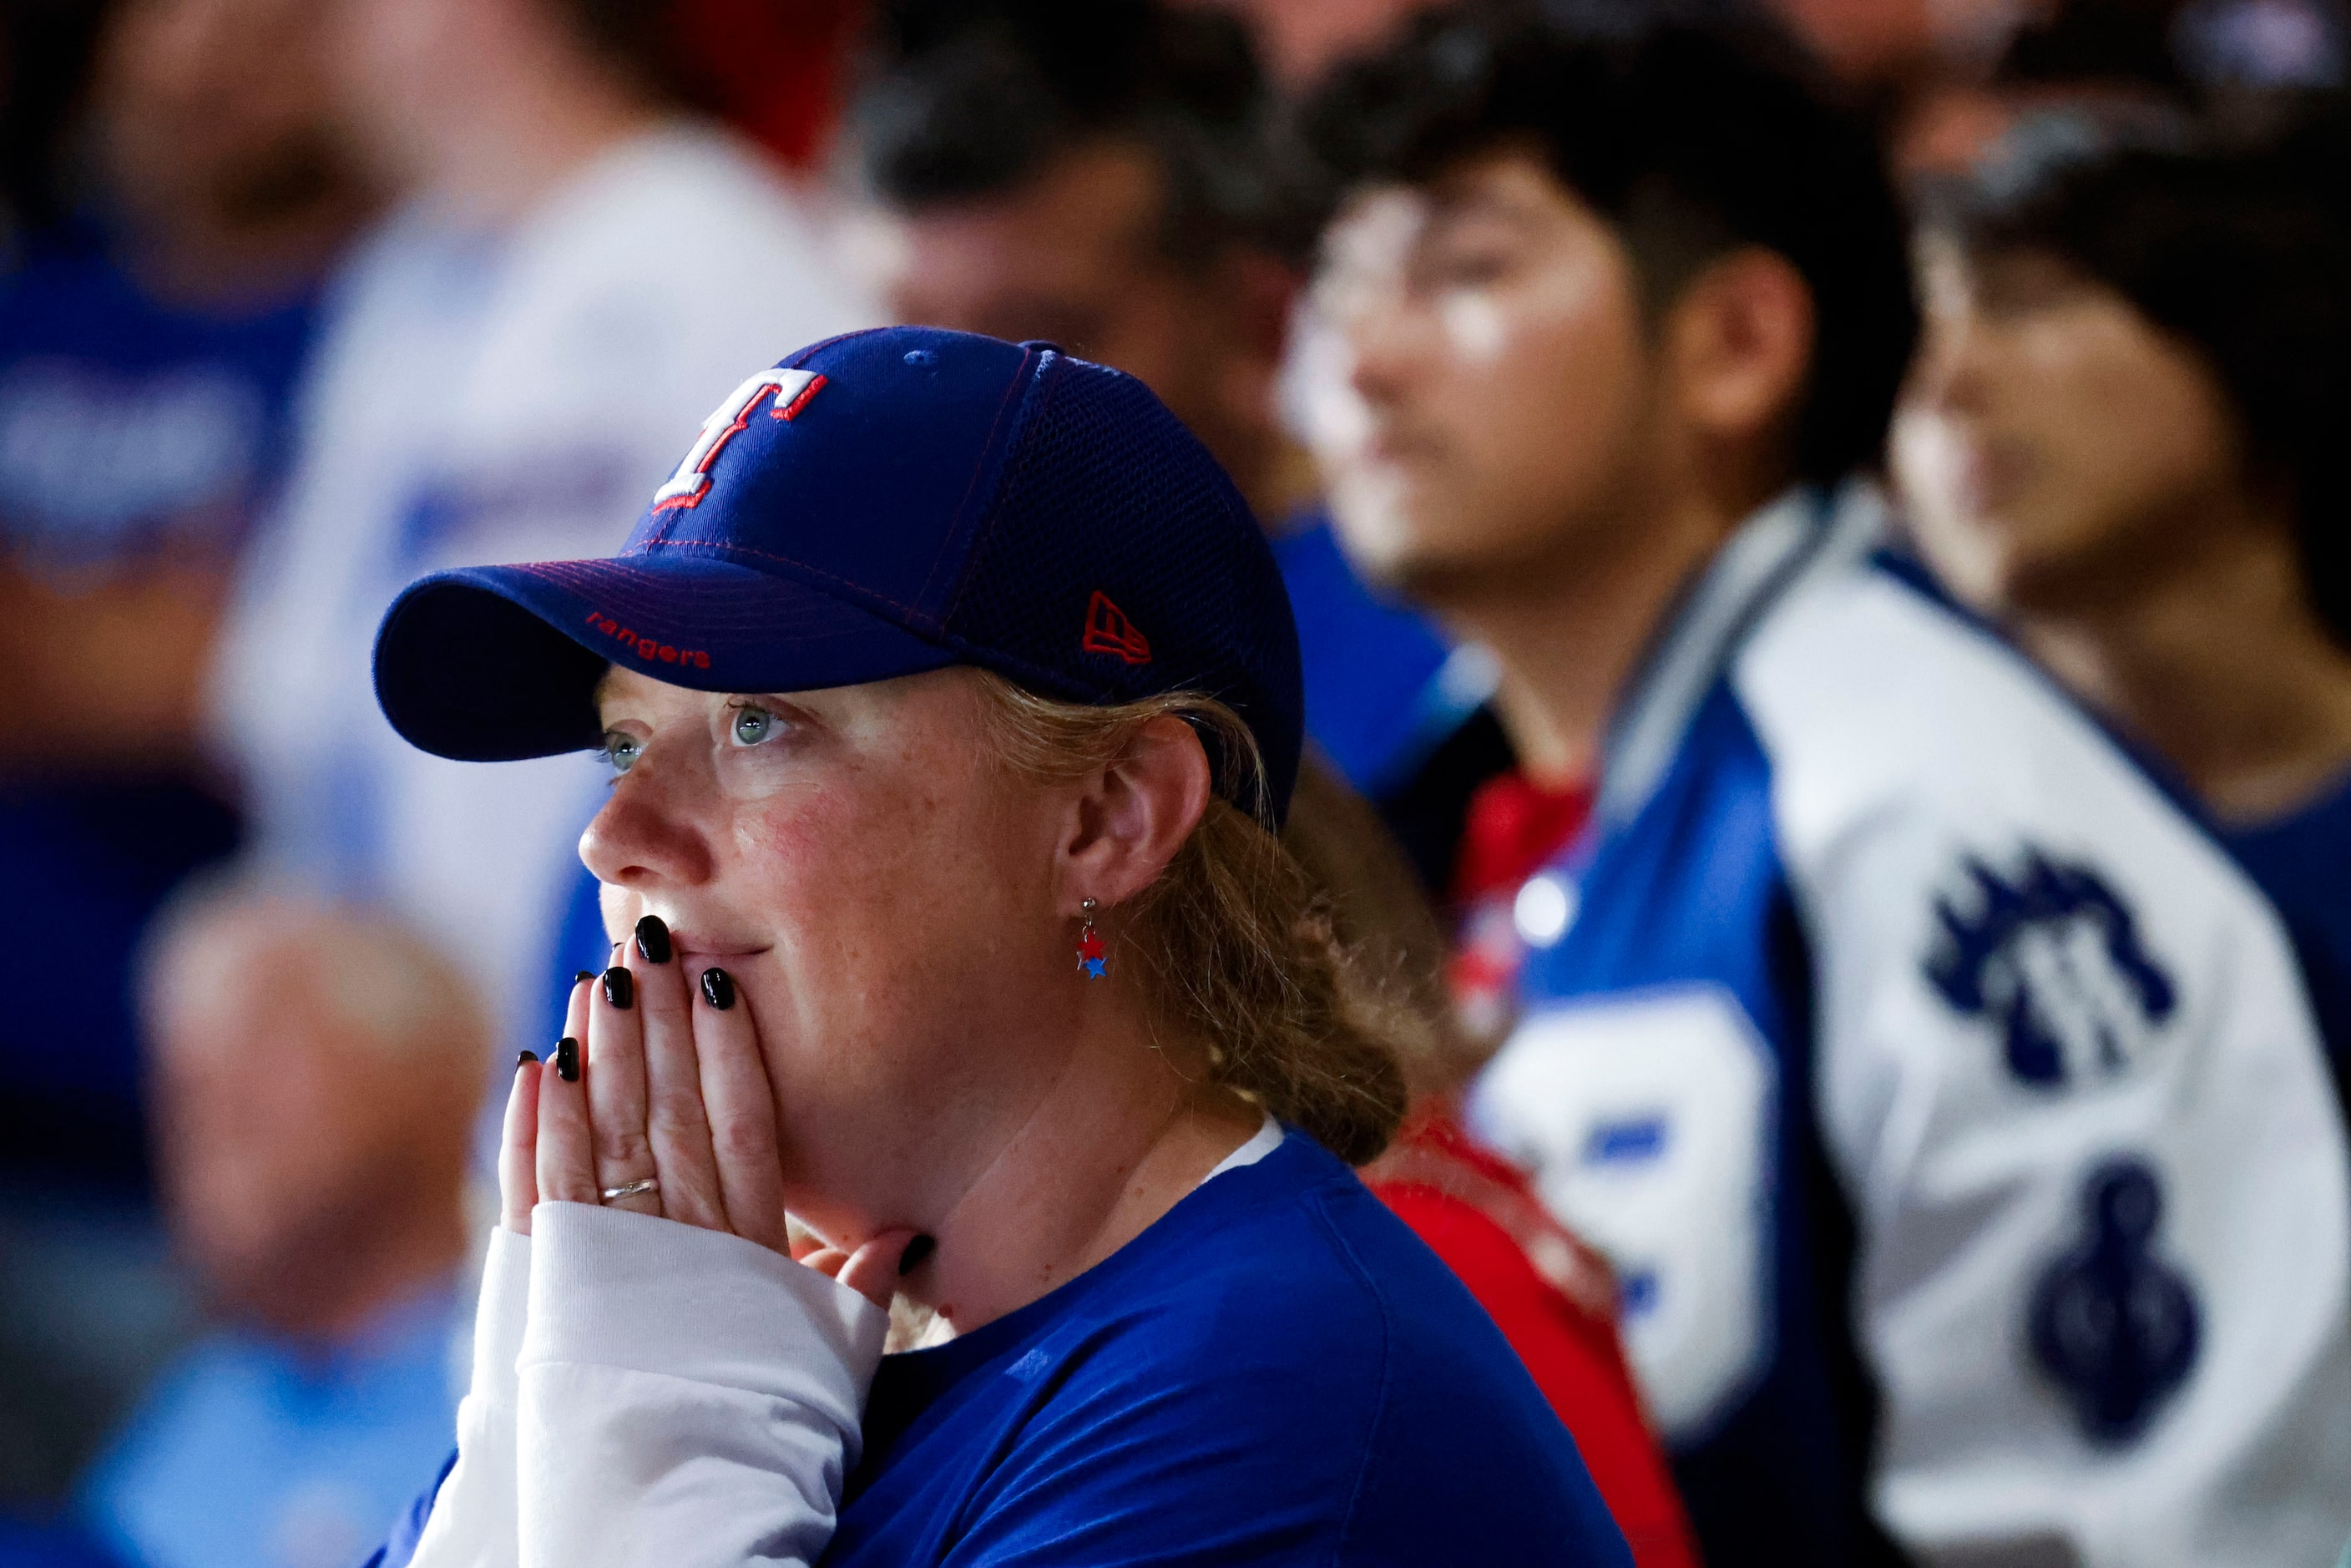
686, 1396
474, 1522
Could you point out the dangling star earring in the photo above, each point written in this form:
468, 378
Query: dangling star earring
1090, 945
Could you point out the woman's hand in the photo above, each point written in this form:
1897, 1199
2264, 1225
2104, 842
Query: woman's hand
669, 1090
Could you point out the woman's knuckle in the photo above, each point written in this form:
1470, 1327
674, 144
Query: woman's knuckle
569, 1190
681, 1118
622, 1146
742, 1140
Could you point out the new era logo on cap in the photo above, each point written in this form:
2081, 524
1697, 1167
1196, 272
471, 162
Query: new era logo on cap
1108, 631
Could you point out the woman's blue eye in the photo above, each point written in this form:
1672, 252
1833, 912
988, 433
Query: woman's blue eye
754, 725
621, 751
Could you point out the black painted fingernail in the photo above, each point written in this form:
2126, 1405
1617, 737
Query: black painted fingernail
619, 988
525, 1060
583, 975
567, 1060
653, 939
718, 989
917, 1253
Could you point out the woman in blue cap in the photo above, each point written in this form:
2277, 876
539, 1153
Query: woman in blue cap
952, 702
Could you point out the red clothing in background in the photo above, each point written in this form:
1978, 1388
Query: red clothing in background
1555, 1301
1512, 829
775, 68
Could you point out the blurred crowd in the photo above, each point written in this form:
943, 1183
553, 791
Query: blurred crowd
1585, 361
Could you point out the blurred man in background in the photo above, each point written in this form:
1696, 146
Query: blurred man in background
169, 224
2124, 441
1949, 1108
1112, 176
317, 1075
581, 268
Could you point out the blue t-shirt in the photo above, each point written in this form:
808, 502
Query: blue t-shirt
1276, 1371
252, 1453
130, 425
2304, 862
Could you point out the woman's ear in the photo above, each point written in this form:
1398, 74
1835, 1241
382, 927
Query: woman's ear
1135, 814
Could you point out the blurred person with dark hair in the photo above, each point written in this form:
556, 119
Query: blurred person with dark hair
313, 1106
2124, 443
580, 266
1113, 176
1947, 1105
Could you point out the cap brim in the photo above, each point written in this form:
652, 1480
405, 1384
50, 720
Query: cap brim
491, 664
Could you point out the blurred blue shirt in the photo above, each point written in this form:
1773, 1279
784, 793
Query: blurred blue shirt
133, 432
2303, 861
130, 425
1374, 700
255, 1453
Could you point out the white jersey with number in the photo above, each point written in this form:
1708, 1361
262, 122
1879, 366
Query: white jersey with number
1947, 1100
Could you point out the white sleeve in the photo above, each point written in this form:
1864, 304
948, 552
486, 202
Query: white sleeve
687, 1397
2068, 1075
473, 1519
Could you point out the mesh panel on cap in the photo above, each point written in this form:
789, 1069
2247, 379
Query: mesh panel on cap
1107, 493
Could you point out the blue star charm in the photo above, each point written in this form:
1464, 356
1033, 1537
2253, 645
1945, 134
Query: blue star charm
1093, 969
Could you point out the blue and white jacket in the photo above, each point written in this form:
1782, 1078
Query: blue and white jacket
1949, 1104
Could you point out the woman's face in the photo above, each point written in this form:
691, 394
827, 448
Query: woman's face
883, 891
2053, 441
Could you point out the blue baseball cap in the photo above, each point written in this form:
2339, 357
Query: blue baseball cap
878, 505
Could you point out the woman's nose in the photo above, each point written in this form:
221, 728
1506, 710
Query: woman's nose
647, 835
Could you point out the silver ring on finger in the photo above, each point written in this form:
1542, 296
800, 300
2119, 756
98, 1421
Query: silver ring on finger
632, 1189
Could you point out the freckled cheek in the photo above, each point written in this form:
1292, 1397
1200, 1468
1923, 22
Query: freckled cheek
828, 876
787, 858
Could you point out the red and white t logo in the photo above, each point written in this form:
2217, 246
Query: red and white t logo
793, 389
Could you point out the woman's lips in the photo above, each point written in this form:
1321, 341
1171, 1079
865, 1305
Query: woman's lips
714, 949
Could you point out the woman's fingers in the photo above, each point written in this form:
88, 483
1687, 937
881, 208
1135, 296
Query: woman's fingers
567, 1159
575, 1011
519, 1149
741, 1106
615, 1083
677, 1125
875, 1269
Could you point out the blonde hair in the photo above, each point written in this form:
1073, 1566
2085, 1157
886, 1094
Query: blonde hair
1236, 938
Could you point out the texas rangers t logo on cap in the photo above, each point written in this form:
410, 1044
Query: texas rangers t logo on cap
793, 389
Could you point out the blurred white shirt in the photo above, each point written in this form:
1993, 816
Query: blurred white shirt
480, 399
